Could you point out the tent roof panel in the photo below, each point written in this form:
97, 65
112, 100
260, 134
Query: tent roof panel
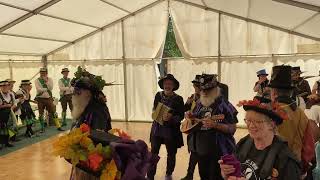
278, 14
238, 7
8, 14
312, 2
46, 27
131, 5
95, 13
25, 45
28, 4
196, 1
311, 27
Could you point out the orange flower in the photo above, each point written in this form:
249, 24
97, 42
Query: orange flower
84, 128
94, 161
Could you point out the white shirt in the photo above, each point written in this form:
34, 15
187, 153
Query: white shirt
7, 97
43, 91
65, 90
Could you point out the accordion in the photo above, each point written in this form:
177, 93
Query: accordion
159, 112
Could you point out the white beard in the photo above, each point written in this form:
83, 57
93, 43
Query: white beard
79, 102
208, 100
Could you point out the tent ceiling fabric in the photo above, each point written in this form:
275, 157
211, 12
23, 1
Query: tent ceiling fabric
92, 12
28, 4
8, 14
42, 26
99, 13
23, 45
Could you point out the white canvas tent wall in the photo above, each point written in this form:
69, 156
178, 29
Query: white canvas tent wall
121, 40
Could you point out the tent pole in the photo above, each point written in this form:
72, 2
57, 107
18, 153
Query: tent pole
34, 37
219, 48
44, 60
125, 80
10, 68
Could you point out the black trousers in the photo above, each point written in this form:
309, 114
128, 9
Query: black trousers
171, 146
208, 165
193, 161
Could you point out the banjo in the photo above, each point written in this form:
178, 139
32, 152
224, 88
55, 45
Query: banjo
187, 125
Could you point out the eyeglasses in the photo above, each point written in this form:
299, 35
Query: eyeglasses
254, 122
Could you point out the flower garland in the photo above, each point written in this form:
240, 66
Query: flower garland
274, 107
80, 150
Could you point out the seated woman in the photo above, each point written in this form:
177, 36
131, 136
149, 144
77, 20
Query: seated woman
262, 154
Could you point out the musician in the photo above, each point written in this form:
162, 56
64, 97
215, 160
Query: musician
316, 88
27, 115
7, 103
293, 129
262, 154
189, 106
301, 85
168, 134
212, 139
261, 86
44, 86
66, 91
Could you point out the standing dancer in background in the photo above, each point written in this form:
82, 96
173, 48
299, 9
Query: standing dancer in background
66, 91
189, 106
27, 115
44, 86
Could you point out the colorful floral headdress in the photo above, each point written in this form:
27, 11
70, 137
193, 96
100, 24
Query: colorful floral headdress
272, 110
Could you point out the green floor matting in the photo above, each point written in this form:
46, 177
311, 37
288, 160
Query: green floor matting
26, 141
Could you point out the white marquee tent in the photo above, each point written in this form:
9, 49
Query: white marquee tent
122, 40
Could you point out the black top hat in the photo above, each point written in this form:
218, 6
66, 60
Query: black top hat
64, 70
196, 79
296, 69
266, 111
208, 81
169, 77
281, 77
25, 82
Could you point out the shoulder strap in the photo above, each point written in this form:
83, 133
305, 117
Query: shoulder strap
65, 81
44, 85
268, 163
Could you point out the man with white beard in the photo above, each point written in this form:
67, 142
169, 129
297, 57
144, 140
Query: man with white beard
211, 140
87, 108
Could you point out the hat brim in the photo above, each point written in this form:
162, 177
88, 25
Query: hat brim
262, 75
64, 71
276, 118
176, 82
195, 82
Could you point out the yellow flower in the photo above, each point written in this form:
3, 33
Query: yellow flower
110, 172
85, 142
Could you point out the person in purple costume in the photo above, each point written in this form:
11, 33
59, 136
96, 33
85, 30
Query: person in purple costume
212, 139
262, 154
168, 133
